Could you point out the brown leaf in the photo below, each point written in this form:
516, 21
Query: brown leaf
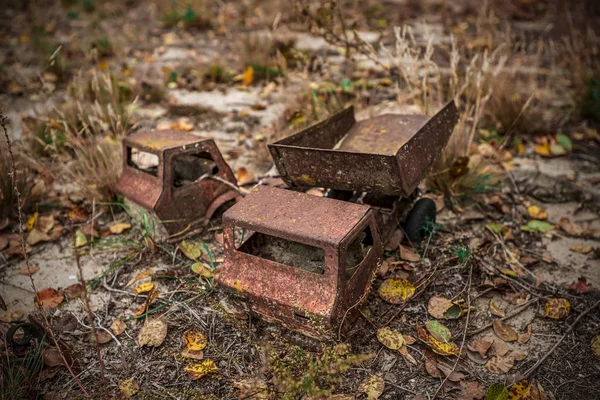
476, 357
11, 316
244, 177
35, 236
471, 390
431, 365
394, 240
404, 351
117, 327
499, 347
582, 286
408, 254
3, 242
102, 336
495, 310
500, 365
437, 306
197, 355
570, 227
52, 357
45, 224
152, 334
409, 339
73, 291
446, 369
78, 214
524, 338
49, 298
88, 230
481, 345
142, 275
29, 271
504, 331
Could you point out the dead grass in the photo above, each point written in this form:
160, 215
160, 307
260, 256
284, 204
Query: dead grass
8, 200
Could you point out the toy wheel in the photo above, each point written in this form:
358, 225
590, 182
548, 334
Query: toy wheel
420, 220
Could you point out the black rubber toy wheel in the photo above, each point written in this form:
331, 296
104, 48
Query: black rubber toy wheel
420, 220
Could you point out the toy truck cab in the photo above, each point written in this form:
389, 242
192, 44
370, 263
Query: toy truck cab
303, 261
181, 179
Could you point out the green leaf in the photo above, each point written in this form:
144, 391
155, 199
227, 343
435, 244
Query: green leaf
564, 141
454, 312
497, 392
495, 227
438, 331
557, 150
537, 226
346, 85
190, 249
80, 239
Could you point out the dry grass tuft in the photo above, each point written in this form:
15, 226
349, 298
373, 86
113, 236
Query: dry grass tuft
8, 200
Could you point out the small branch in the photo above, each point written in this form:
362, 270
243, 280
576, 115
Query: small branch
37, 303
464, 338
541, 360
513, 314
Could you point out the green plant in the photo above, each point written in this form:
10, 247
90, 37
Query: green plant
190, 13
296, 372
462, 254
18, 375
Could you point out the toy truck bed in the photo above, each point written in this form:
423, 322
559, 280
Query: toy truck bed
385, 155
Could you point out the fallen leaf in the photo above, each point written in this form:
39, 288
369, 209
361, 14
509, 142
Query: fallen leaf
446, 369
254, 389
32, 269
80, 239
102, 337
202, 270
557, 150
404, 352
182, 126
129, 387
437, 306
595, 346
31, 221
390, 338
499, 347
78, 214
117, 327
248, 76
35, 236
497, 392
577, 248
431, 367
372, 386
194, 340
197, 371
537, 226
495, 310
395, 291
119, 227
524, 338
73, 291
393, 242
409, 339
191, 249
542, 149
243, 176
11, 316
564, 141
197, 355
89, 230
442, 348
153, 333
537, 212
142, 275
144, 287
481, 345
518, 355
504, 331
500, 365
557, 308
45, 224
49, 298
570, 227
470, 390
408, 254
52, 357
438, 331
525, 390
581, 286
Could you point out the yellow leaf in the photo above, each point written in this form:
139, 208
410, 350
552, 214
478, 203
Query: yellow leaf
395, 291
580, 248
144, 287
596, 346
80, 239
31, 221
202, 270
190, 249
103, 65
248, 76
182, 126
495, 310
119, 227
525, 390
542, 149
536, 212
390, 338
129, 387
197, 371
24, 38
117, 327
557, 308
372, 386
194, 340
442, 348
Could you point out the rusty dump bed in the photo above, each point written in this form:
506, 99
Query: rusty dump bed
388, 155
288, 214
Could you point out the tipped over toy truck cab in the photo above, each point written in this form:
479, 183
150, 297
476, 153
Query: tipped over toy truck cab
179, 178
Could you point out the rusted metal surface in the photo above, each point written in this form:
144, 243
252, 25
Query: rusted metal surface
186, 187
386, 155
309, 302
